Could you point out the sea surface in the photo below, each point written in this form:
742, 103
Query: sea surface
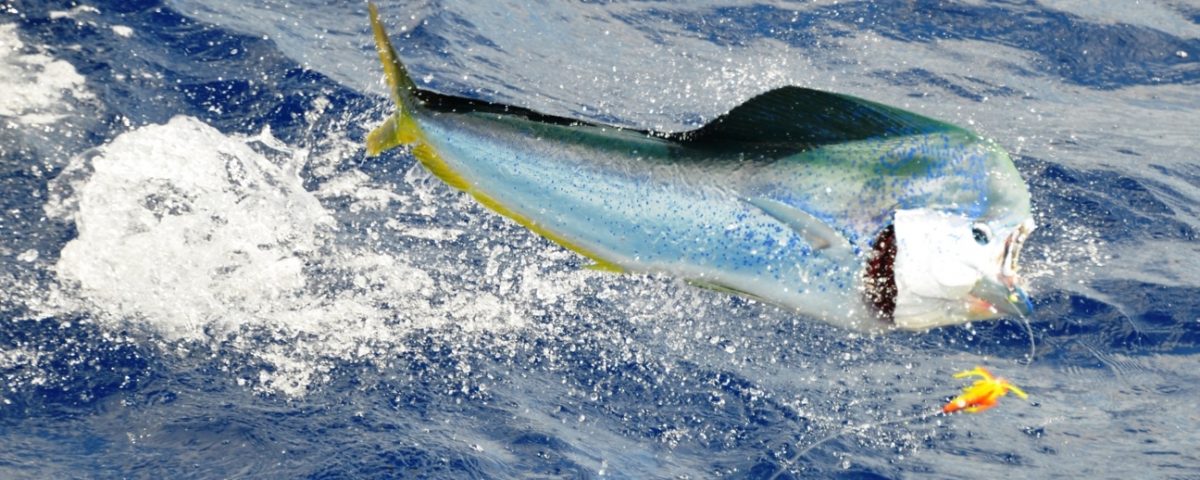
203, 276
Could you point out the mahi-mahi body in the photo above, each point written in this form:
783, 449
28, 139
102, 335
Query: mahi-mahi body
850, 211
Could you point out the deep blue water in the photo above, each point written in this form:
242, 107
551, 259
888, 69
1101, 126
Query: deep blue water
203, 275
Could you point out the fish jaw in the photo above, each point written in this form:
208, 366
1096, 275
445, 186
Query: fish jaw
1003, 295
990, 299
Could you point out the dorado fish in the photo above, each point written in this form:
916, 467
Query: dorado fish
860, 214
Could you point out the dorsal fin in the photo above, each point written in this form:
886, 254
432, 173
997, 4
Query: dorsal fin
800, 118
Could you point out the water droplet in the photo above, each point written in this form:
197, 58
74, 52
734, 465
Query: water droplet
28, 256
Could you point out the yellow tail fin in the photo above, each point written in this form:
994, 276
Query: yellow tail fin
399, 129
402, 129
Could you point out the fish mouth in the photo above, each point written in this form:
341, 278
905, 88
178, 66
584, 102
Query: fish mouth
1004, 294
1012, 251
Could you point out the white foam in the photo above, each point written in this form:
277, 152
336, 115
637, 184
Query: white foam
28, 256
122, 30
74, 12
200, 237
36, 86
180, 224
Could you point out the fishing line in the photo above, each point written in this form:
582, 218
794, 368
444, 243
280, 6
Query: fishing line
1032, 343
866, 426
980, 395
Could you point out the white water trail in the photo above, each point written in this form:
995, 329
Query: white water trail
203, 236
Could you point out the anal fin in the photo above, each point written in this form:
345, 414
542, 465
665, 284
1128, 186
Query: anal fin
601, 266
716, 287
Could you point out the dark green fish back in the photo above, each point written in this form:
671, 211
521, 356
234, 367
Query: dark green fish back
797, 118
783, 121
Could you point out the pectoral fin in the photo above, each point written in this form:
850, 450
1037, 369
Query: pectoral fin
818, 234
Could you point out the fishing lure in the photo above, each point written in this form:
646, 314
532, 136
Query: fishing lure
979, 396
983, 394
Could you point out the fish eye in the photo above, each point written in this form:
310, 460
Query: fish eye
981, 233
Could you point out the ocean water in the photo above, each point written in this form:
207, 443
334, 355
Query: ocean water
204, 277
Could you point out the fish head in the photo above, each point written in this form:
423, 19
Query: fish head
948, 268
